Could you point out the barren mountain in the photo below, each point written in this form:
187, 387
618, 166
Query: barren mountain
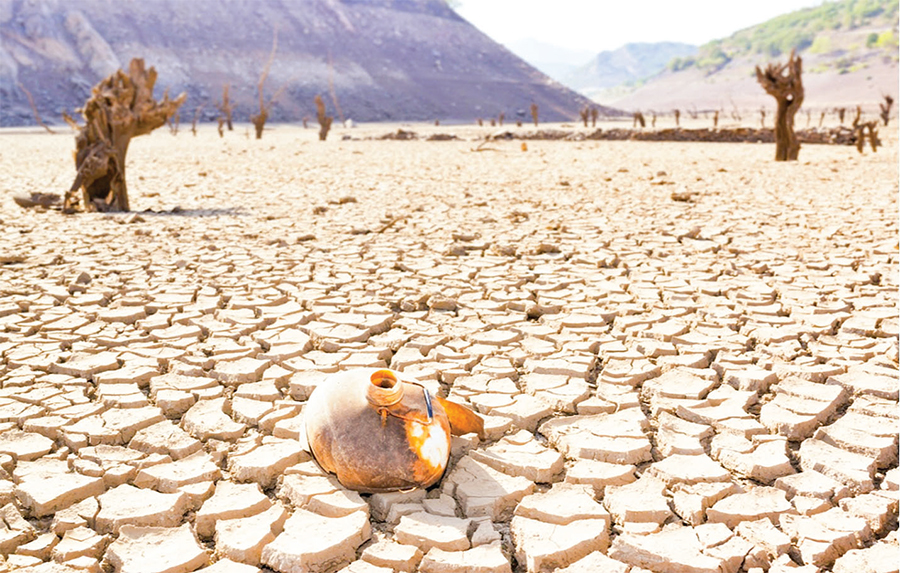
381, 59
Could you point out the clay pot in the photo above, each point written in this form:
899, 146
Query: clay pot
379, 431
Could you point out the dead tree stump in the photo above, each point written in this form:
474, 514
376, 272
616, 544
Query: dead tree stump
886, 109
225, 107
594, 114
841, 111
585, 113
534, 113
677, 117
639, 119
500, 118
716, 120
196, 117
784, 83
324, 120
120, 107
653, 119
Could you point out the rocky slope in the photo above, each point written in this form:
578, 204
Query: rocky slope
626, 65
386, 59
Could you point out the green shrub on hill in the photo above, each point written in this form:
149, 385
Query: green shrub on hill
806, 29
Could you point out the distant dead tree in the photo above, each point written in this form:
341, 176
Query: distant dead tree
860, 129
784, 83
196, 117
873, 134
221, 122
40, 122
500, 118
331, 91
594, 114
762, 117
437, 122
174, 123
534, 113
716, 120
653, 119
324, 120
840, 112
822, 118
585, 113
808, 117
225, 107
677, 117
693, 112
886, 109
305, 121
518, 123
639, 119
493, 122
480, 122
120, 107
259, 120
735, 112
857, 117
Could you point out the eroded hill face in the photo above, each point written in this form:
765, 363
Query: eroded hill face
386, 59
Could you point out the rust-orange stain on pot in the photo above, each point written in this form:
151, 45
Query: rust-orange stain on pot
377, 431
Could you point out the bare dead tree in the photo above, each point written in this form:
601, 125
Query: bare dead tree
653, 119
873, 135
716, 120
174, 123
840, 112
822, 118
784, 83
480, 122
196, 117
225, 107
324, 119
37, 116
585, 113
500, 118
221, 121
639, 119
534, 113
693, 112
493, 122
677, 117
886, 109
120, 107
762, 117
857, 117
518, 123
594, 114
808, 117
259, 120
331, 91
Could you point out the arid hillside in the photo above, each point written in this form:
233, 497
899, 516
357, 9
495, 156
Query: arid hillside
382, 59
849, 51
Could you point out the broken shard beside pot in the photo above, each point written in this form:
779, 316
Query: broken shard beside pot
377, 430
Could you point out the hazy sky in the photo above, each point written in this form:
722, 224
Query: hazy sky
597, 25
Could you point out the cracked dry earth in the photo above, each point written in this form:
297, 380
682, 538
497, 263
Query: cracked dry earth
673, 386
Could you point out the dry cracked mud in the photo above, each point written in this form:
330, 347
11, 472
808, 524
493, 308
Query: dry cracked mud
686, 354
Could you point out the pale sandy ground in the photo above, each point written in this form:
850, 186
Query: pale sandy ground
669, 386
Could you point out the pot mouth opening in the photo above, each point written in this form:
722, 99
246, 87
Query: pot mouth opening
384, 379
